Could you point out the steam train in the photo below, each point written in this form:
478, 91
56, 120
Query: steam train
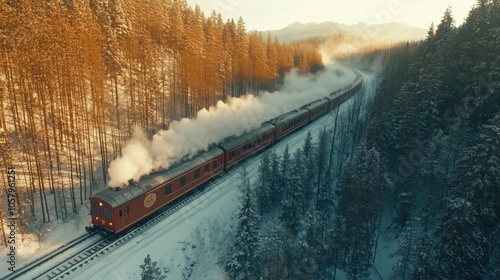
114, 210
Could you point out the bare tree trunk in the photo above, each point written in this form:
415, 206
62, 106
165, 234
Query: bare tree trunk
49, 153
4, 237
379, 226
41, 182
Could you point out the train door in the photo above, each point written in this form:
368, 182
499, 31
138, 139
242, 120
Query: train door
126, 215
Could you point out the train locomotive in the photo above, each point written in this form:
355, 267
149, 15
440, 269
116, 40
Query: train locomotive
114, 210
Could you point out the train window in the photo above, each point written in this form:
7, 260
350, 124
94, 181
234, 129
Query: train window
215, 164
244, 148
255, 142
183, 181
107, 213
197, 174
120, 213
95, 209
207, 168
168, 189
126, 211
239, 151
258, 141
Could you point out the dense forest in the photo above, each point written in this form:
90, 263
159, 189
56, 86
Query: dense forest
426, 172
77, 76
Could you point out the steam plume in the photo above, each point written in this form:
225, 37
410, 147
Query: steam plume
141, 156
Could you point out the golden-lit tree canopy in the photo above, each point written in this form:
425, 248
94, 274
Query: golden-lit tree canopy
77, 76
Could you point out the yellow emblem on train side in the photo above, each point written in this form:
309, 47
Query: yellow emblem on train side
149, 200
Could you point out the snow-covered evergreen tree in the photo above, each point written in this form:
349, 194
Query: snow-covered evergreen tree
291, 202
151, 271
360, 196
424, 263
311, 247
271, 255
464, 248
264, 184
285, 164
242, 263
276, 180
307, 148
305, 254
321, 164
310, 172
472, 209
406, 252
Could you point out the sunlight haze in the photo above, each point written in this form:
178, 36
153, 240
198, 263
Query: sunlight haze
272, 15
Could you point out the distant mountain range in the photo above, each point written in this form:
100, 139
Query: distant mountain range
393, 31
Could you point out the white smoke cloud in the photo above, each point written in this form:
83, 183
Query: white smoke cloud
141, 156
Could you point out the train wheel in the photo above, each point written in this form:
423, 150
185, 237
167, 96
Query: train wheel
90, 230
103, 233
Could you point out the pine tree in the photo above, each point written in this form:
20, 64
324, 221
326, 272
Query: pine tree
271, 256
285, 162
151, 271
424, 264
242, 263
240, 59
403, 210
310, 248
472, 211
406, 250
307, 145
291, 202
276, 181
460, 226
305, 269
310, 171
321, 164
360, 196
264, 184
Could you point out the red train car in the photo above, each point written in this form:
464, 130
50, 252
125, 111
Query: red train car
317, 108
289, 122
240, 147
115, 209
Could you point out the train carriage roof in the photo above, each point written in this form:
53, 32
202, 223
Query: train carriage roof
285, 118
316, 103
234, 141
116, 197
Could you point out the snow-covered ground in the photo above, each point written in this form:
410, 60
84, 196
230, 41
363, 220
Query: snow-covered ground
192, 242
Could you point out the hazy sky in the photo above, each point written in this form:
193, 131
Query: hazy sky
276, 14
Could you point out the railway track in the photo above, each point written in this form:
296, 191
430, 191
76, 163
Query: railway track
75, 257
52, 267
40, 261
